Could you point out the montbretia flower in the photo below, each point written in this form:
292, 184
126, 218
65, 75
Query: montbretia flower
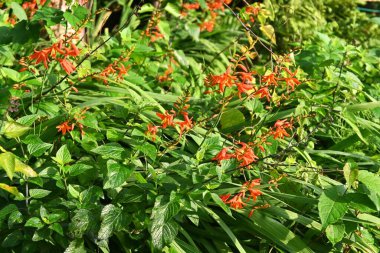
41, 56
223, 155
67, 66
166, 119
65, 127
152, 131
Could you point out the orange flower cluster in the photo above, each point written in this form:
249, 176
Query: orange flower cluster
47, 54
252, 11
116, 67
240, 200
68, 126
244, 154
244, 81
168, 120
31, 7
279, 129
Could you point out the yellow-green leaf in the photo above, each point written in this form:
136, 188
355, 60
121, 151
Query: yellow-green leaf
11, 189
268, 31
14, 129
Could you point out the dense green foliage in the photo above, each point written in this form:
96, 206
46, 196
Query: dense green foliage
195, 126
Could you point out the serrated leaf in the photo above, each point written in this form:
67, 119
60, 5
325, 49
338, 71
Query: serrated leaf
372, 183
110, 150
63, 155
112, 220
149, 150
38, 193
163, 233
76, 246
57, 228
335, 233
79, 168
14, 129
332, 205
80, 222
117, 174
38, 149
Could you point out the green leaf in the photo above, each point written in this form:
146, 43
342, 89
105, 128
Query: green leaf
335, 233
350, 174
193, 30
149, 150
78, 168
13, 239
7, 210
113, 220
52, 16
38, 149
117, 174
38, 193
163, 233
372, 183
15, 218
11, 189
220, 203
13, 129
80, 223
8, 163
268, 31
24, 169
18, 11
164, 29
76, 246
63, 155
34, 222
332, 205
232, 120
77, 16
110, 150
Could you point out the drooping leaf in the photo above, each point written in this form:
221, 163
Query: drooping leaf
335, 232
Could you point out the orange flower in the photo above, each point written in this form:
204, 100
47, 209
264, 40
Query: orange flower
122, 70
270, 79
167, 119
225, 197
264, 92
237, 202
191, 6
56, 47
250, 186
243, 88
65, 127
207, 25
74, 51
187, 124
291, 80
67, 66
280, 131
223, 155
152, 131
223, 80
245, 155
41, 56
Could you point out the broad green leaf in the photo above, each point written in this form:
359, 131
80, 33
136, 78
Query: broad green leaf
34, 222
38, 149
110, 150
79, 168
372, 182
63, 155
113, 219
38, 193
11, 189
76, 246
24, 169
8, 163
7, 210
193, 31
163, 233
117, 174
12, 239
80, 223
15, 218
13, 129
149, 150
335, 233
232, 120
332, 205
